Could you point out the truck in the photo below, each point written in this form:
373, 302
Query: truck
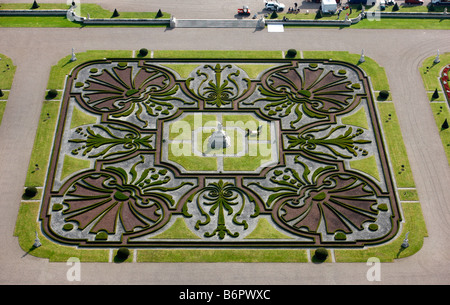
328, 6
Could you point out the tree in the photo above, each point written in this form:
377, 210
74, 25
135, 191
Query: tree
1, 92
319, 14
444, 125
395, 8
435, 94
116, 13
291, 53
35, 5
159, 14
274, 15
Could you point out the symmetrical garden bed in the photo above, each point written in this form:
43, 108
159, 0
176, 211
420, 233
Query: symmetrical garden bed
306, 163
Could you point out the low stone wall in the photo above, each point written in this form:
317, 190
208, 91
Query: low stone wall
415, 15
33, 12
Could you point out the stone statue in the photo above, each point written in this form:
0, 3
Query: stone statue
73, 58
362, 59
405, 243
37, 242
437, 60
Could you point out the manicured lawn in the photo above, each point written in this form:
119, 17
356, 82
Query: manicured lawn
395, 145
399, 23
431, 72
43, 143
27, 6
36, 22
223, 255
7, 70
96, 11
440, 113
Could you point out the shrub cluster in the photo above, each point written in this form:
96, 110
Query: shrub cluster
31, 191
143, 52
291, 53
123, 253
52, 93
384, 94
321, 253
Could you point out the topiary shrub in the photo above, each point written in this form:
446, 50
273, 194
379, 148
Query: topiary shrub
102, 236
143, 52
291, 53
1, 93
116, 13
31, 191
444, 125
319, 14
395, 7
35, 5
52, 93
321, 254
340, 236
384, 94
274, 15
435, 94
123, 253
159, 14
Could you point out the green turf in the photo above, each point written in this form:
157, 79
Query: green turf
395, 145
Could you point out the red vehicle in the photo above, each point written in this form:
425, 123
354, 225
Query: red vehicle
419, 2
244, 11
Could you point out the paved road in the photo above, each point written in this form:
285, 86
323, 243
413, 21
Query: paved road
401, 52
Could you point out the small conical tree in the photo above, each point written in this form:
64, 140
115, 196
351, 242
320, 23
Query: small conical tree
435, 94
395, 7
116, 13
444, 125
35, 5
159, 14
319, 14
1, 92
274, 15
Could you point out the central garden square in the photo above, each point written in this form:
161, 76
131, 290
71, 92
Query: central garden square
305, 163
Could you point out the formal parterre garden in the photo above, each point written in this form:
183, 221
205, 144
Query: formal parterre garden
435, 77
219, 156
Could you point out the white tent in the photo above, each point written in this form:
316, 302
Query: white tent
328, 6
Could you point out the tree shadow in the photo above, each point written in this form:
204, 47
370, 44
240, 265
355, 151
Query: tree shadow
318, 260
119, 259
400, 250
32, 248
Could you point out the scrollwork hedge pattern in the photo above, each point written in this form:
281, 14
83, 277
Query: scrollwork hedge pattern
127, 192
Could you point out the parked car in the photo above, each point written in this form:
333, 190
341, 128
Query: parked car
419, 2
274, 6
